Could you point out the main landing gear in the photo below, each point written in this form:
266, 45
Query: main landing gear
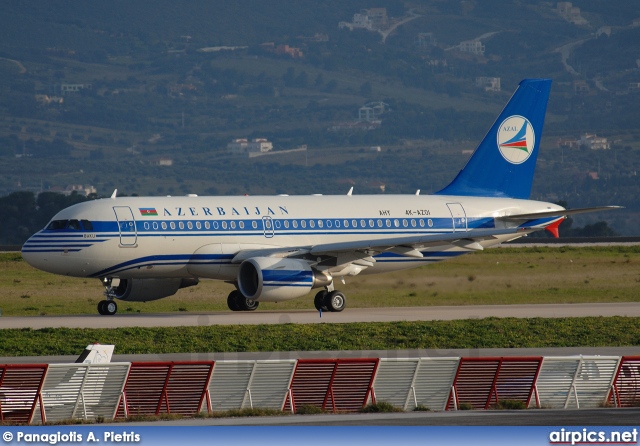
237, 302
333, 301
107, 307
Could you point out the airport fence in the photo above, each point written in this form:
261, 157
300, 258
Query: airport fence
40, 393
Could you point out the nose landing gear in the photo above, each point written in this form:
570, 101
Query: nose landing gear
108, 307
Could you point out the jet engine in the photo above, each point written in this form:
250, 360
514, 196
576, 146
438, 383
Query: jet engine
143, 290
270, 279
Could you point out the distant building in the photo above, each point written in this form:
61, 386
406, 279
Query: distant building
570, 13
162, 162
77, 188
571, 143
362, 20
472, 46
594, 142
67, 89
371, 111
46, 99
580, 87
371, 19
424, 40
241, 146
488, 83
378, 17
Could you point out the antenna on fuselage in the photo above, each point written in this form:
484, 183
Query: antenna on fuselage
350, 191
418, 192
113, 195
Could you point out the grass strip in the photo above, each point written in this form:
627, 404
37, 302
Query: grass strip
464, 334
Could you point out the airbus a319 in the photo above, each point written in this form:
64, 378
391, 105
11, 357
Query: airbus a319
276, 248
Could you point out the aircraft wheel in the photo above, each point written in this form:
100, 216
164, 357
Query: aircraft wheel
101, 307
110, 307
248, 304
233, 300
335, 301
318, 301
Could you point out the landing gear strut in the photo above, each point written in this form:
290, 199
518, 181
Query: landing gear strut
237, 302
107, 307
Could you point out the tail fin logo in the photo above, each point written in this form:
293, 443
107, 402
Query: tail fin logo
516, 139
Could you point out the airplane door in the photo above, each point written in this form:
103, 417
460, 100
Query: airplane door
126, 226
458, 216
267, 226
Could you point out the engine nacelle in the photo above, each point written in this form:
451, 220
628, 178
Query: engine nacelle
269, 279
143, 290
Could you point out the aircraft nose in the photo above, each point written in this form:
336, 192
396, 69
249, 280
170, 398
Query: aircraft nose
34, 255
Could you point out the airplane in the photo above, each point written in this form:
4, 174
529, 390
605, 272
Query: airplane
276, 248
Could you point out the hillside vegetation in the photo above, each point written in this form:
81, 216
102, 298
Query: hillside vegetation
155, 93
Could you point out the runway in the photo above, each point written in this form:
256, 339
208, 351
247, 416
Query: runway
395, 314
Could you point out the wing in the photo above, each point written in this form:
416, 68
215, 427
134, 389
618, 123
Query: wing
355, 251
359, 253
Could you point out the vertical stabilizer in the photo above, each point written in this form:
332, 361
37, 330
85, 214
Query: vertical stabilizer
504, 162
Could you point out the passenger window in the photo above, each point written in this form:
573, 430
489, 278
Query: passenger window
303, 224
189, 225
74, 224
87, 225
312, 224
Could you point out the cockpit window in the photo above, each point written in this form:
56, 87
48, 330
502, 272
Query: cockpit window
74, 225
56, 225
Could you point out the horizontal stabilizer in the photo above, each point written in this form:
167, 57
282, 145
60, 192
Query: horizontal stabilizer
557, 213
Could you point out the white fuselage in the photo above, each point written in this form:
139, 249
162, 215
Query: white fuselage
189, 236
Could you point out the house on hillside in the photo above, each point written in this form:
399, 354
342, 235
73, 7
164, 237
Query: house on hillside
488, 83
594, 142
472, 46
243, 146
